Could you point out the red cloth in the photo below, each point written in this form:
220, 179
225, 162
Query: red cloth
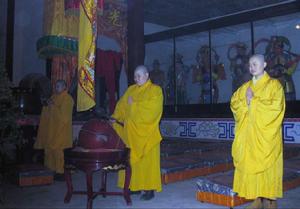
108, 65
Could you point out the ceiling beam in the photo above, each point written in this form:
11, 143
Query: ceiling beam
227, 20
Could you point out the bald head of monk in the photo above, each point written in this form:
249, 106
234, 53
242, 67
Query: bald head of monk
60, 86
141, 75
257, 65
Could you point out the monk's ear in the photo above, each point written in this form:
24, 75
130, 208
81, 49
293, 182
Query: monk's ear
265, 64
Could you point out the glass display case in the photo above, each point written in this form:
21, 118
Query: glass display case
202, 64
278, 39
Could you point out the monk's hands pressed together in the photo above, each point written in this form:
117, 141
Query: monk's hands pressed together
249, 95
130, 100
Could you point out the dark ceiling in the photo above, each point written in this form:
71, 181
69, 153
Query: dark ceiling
173, 13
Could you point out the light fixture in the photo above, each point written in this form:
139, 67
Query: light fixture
297, 26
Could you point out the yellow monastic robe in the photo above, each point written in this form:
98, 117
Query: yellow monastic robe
141, 134
257, 147
55, 130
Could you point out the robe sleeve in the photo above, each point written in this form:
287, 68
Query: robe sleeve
61, 123
119, 112
266, 116
41, 139
62, 113
143, 124
269, 112
149, 111
55, 131
238, 105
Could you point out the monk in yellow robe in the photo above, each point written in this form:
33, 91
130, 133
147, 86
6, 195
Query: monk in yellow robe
140, 109
55, 129
258, 107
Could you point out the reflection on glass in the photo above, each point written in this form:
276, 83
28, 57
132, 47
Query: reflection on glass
193, 79
232, 45
180, 73
238, 55
157, 76
282, 63
278, 39
158, 63
202, 74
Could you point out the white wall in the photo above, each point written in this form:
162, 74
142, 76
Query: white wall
27, 30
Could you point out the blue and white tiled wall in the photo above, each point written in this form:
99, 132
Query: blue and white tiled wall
218, 128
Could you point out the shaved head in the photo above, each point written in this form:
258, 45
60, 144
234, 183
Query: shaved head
60, 86
141, 68
62, 82
141, 75
257, 65
259, 57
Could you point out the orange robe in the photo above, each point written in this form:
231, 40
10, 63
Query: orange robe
141, 134
55, 130
257, 146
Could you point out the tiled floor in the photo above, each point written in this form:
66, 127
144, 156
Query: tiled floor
174, 195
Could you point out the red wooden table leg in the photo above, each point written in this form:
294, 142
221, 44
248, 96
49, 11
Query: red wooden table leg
89, 187
103, 182
126, 185
68, 179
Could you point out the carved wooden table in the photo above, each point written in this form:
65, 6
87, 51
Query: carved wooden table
92, 160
